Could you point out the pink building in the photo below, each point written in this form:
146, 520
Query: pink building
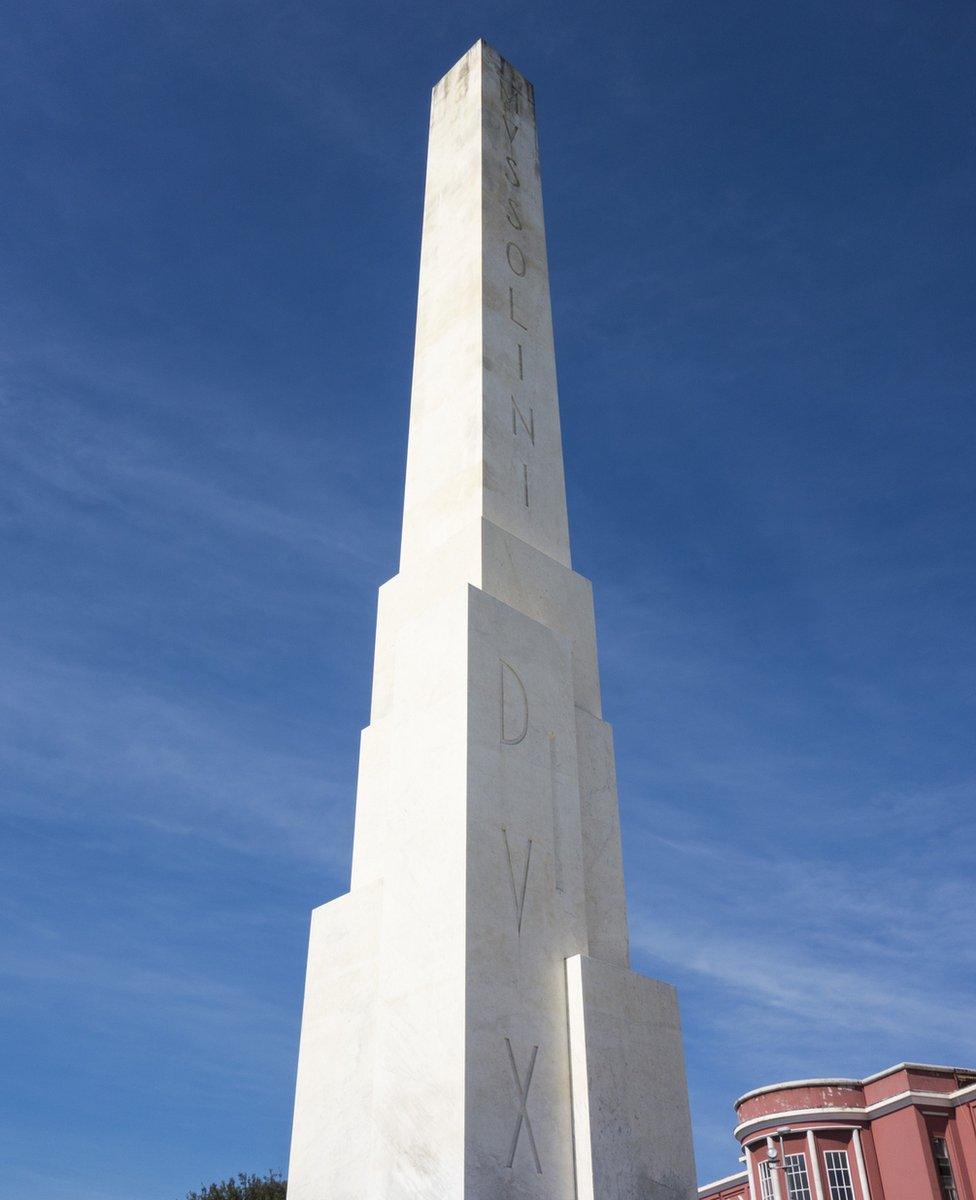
908, 1133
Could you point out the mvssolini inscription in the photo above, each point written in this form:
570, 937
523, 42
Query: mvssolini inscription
513, 98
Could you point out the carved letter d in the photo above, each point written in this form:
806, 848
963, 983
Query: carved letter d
515, 706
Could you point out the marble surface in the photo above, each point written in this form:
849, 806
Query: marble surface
471, 1025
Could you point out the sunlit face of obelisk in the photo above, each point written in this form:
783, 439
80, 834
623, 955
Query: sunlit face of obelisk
471, 1025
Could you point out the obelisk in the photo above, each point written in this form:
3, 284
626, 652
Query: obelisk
471, 1025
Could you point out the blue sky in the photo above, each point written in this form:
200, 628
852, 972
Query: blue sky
762, 261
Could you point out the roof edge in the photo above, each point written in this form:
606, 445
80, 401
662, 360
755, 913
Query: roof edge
707, 1189
840, 1082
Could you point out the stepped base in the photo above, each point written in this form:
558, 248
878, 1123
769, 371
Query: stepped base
631, 1122
626, 1092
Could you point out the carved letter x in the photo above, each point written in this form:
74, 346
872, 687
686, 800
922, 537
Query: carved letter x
523, 1116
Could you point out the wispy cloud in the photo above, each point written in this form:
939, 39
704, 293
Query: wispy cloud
793, 964
762, 306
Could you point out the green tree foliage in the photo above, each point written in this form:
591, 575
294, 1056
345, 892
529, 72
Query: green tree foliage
244, 1187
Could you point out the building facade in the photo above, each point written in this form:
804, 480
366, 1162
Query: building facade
907, 1133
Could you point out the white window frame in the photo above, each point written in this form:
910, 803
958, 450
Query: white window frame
840, 1182
765, 1180
797, 1188
947, 1185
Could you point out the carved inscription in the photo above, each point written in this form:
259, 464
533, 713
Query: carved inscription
511, 96
522, 1088
557, 833
520, 880
514, 706
527, 425
511, 309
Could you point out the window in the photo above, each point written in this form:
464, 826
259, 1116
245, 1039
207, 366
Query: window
943, 1169
797, 1183
839, 1175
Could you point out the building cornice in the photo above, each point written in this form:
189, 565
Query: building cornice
911, 1066
709, 1189
798, 1083
839, 1082
859, 1112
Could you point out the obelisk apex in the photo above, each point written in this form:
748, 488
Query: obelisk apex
471, 1027
484, 418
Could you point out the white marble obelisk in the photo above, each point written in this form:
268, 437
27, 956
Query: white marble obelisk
471, 1025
